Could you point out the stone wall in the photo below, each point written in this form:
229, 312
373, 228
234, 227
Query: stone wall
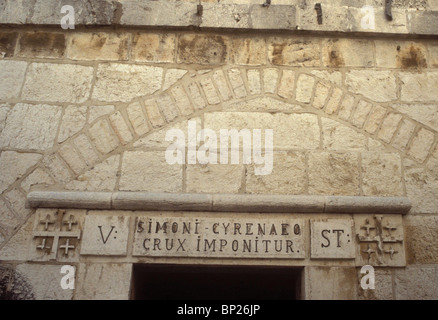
88, 110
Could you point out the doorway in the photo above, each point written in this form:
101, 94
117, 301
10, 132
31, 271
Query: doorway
204, 282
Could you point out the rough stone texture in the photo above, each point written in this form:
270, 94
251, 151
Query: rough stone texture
421, 144
149, 171
389, 126
321, 94
167, 107
296, 52
228, 178
381, 174
270, 78
38, 176
8, 220
333, 173
182, 101
423, 113
103, 281
95, 112
102, 137
323, 283
273, 17
346, 107
347, 52
210, 91
432, 163
150, 47
248, 51
379, 86
375, 118
172, 76
419, 86
12, 78
72, 158
196, 96
73, 121
85, 149
337, 136
416, 282
403, 135
120, 128
123, 82
57, 82
31, 127
361, 112
154, 114
304, 91
236, 81
57, 168
17, 247
382, 286
98, 46
253, 78
289, 130
333, 101
287, 84
43, 281
264, 104
41, 45
400, 54
288, 175
13, 165
137, 118
102, 177
421, 234
8, 40
202, 49
221, 85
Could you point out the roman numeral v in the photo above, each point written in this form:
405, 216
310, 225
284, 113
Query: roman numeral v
101, 234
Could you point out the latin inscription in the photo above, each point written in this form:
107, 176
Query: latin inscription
219, 237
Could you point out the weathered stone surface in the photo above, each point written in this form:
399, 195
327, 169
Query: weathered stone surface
296, 52
57, 82
400, 54
288, 175
233, 15
379, 86
210, 91
228, 178
195, 94
149, 171
41, 45
424, 113
330, 75
403, 135
421, 144
248, 51
254, 84
222, 86
95, 112
321, 93
346, 108
381, 174
12, 78
103, 281
172, 76
424, 23
43, 281
317, 286
270, 78
202, 49
273, 17
419, 86
31, 127
389, 126
13, 165
150, 47
124, 82
289, 130
332, 239
304, 90
182, 100
432, 163
382, 286
105, 235
4, 111
421, 239
38, 176
236, 81
286, 88
333, 173
153, 113
361, 112
421, 188
17, 246
102, 137
334, 101
85, 148
8, 41
374, 119
416, 282
336, 136
137, 118
433, 54
98, 46
347, 52
263, 104
73, 121
167, 107
72, 158
102, 177
57, 168
8, 220
120, 128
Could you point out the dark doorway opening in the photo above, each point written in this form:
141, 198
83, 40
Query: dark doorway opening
195, 282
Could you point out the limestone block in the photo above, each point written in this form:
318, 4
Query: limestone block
433, 54
286, 87
421, 241
109, 281
38, 176
421, 144
289, 130
304, 91
270, 79
105, 235
273, 17
334, 101
379, 86
120, 128
294, 52
416, 283
331, 75
13, 165
124, 82
152, 47
43, 282
167, 107
195, 94
73, 121
248, 51
202, 49
227, 178
102, 177
12, 78
389, 126
288, 175
222, 86
57, 82
347, 53
17, 247
330, 283
137, 118
400, 54
17, 202
153, 113
31, 127
375, 118
333, 173
172, 76
236, 81
381, 174
424, 113
403, 135
346, 108
95, 112
321, 94
254, 84
432, 163
210, 91
336, 136
102, 137
263, 104
15, 12
182, 100
57, 168
8, 220
383, 280
361, 112
419, 86
41, 45
149, 171
4, 111
86, 150
98, 46
218, 15
8, 41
